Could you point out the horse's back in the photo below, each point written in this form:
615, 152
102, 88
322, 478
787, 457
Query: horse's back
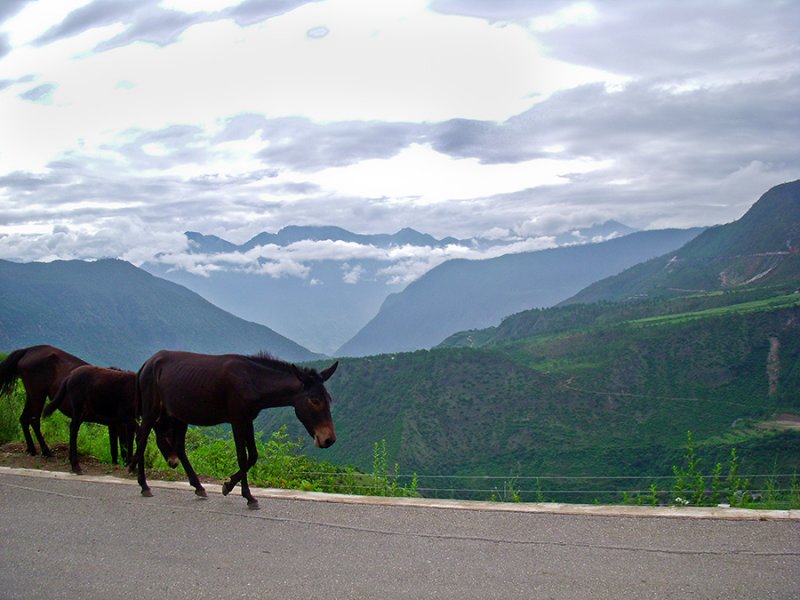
105, 389
46, 354
188, 386
43, 368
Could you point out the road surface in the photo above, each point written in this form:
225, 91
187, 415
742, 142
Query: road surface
68, 537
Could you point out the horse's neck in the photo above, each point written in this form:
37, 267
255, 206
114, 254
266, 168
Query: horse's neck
277, 389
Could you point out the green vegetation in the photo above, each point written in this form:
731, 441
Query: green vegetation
723, 486
579, 403
582, 402
212, 452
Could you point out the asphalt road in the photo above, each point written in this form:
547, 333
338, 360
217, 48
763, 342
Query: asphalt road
70, 538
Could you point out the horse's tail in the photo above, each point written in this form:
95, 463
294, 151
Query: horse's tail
138, 394
57, 401
8, 371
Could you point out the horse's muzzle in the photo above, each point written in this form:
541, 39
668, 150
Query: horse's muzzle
324, 437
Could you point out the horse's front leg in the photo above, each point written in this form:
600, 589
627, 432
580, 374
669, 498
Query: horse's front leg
113, 437
244, 438
74, 426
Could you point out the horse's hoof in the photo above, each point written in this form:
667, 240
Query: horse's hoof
253, 504
147, 493
226, 488
201, 492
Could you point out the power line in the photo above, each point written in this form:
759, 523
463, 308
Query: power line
544, 477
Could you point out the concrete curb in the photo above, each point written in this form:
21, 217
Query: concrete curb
671, 512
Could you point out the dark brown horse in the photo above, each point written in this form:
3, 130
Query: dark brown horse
177, 389
98, 395
42, 370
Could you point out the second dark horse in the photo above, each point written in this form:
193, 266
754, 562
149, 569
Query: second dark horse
98, 395
177, 389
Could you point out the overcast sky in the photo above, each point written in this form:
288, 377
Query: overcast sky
124, 123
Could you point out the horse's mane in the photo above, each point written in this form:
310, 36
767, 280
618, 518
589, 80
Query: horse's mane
267, 360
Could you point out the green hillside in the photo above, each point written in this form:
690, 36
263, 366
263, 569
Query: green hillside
608, 400
760, 249
705, 339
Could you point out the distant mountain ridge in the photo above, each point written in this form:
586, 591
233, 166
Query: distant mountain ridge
291, 234
295, 233
464, 294
326, 301
110, 312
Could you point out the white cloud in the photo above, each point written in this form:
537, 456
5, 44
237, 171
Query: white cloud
191, 6
131, 240
381, 60
579, 13
351, 274
37, 17
423, 176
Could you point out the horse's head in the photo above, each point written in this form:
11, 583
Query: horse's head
312, 405
164, 441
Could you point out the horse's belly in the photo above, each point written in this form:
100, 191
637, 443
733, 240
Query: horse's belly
195, 413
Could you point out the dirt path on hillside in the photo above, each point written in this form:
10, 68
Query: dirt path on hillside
783, 421
13, 454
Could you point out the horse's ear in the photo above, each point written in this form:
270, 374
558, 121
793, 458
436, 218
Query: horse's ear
299, 374
326, 374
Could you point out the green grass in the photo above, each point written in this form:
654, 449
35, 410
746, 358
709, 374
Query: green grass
768, 304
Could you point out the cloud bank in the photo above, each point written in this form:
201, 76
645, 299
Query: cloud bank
126, 123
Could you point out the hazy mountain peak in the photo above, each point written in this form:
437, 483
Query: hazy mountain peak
760, 248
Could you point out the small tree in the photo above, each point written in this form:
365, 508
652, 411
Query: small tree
689, 485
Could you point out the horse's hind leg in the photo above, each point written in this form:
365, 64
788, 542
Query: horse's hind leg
179, 446
138, 459
31, 416
42, 444
25, 421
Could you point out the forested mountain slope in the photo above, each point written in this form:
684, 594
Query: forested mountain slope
760, 248
615, 399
